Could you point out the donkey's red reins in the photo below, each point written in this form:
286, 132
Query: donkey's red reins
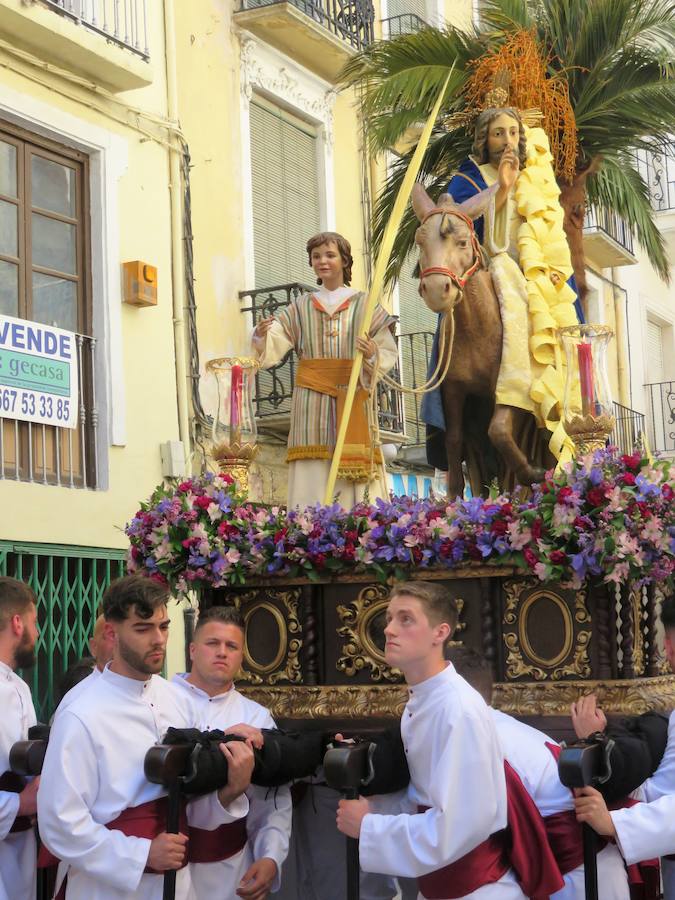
459, 280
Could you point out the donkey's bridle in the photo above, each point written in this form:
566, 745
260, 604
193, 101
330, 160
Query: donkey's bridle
459, 280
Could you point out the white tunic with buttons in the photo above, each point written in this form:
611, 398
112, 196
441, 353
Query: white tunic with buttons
525, 749
17, 851
93, 771
457, 770
270, 811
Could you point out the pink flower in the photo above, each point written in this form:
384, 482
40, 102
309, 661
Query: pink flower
233, 556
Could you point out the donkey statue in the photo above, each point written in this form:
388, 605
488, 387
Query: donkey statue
454, 280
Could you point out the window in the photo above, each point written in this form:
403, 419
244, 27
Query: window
286, 207
44, 277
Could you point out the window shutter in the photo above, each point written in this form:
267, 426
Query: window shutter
655, 367
405, 7
286, 210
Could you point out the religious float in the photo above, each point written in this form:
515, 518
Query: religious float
558, 585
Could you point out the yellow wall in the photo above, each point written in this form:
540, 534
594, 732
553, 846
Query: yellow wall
94, 518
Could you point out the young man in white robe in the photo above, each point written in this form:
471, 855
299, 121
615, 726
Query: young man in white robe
533, 755
254, 869
96, 810
18, 798
456, 803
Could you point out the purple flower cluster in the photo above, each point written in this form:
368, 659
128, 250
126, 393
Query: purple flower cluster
605, 516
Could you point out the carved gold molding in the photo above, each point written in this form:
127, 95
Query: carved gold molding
637, 610
521, 659
290, 641
629, 697
523, 698
360, 652
339, 701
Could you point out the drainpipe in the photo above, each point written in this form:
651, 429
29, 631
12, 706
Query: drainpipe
620, 297
177, 250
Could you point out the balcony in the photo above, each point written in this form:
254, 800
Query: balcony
607, 239
47, 454
408, 23
319, 34
658, 170
274, 387
628, 430
661, 416
103, 40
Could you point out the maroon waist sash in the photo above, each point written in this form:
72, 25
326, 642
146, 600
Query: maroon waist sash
147, 820
14, 784
219, 844
564, 836
483, 865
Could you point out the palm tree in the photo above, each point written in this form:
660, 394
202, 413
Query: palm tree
617, 58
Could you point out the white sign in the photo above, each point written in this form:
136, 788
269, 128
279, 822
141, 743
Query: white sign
38, 373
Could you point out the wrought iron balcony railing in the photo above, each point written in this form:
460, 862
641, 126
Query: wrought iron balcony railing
611, 224
408, 23
661, 416
351, 20
47, 454
124, 22
629, 428
658, 170
274, 387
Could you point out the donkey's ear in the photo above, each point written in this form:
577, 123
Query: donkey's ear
476, 206
421, 201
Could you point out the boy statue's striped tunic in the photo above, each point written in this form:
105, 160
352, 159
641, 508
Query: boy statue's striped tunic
322, 328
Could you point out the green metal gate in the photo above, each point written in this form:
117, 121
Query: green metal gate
69, 583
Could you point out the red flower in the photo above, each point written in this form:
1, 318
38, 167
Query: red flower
667, 492
348, 551
631, 462
203, 502
595, 497
628, 478
184, 487
507, 509
531, 557
351, 535
417, 554
537, 529
564, 493
157, 576
228, 479
580, 524
319, 560
499, 526
558, 557
280, 535
474, 552
446, 549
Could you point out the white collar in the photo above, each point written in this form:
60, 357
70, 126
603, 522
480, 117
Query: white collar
182, 679
6, 671
432, 684
131, 686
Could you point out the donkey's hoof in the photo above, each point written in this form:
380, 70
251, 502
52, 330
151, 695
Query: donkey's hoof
530, 475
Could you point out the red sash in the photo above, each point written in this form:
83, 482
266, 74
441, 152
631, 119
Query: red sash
483, 865
147, 821
219, 844
14, 784
523, 846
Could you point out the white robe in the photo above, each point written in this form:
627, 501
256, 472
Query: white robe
525, 749
270, 811
457, 770
646, 830
662, 784
93, 771
17, 851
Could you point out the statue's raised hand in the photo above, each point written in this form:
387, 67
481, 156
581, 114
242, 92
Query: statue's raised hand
509, 165
260, 333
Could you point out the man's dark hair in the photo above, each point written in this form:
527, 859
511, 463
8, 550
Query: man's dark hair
668, 612
439, 605
73, 675
16, 598
474, 668
226, 615
133, 592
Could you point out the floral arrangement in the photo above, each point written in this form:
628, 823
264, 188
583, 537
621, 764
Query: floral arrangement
605, 516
